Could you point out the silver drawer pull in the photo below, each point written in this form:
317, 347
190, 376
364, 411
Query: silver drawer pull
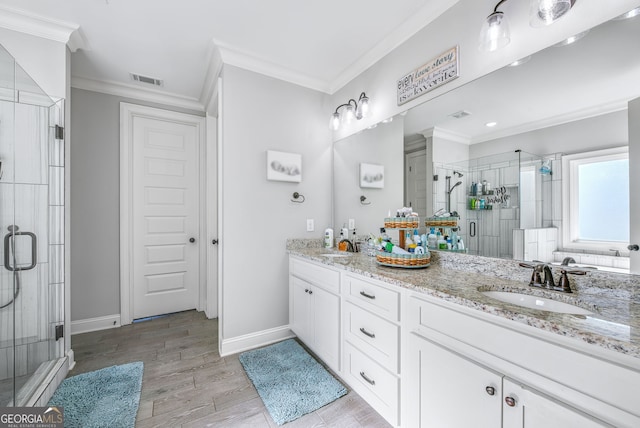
370, 381
368, 296
366, 333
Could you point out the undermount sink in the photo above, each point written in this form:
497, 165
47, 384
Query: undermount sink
535, 302
336, 255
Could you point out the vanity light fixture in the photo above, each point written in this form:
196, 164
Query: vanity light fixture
546, 12
352, 110
495, 32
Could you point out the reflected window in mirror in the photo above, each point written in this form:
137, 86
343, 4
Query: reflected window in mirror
596, 200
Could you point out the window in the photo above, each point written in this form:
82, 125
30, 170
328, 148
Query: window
596, 200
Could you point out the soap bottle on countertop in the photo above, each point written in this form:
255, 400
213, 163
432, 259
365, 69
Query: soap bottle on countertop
328, 238
342, 245
432, 240
454, 238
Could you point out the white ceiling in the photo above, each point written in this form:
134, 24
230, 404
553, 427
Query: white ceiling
319, 44
596, 75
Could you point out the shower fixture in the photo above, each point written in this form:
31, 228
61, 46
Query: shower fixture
450, 188
458, 173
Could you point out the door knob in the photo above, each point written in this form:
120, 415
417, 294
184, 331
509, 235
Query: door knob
192, 240
633, 247
214, 242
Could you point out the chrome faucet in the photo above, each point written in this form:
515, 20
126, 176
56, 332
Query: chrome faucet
567, 260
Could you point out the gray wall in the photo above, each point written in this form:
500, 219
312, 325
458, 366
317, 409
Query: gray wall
95, 202
260, 113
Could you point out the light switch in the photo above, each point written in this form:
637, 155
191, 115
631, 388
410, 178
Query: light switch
310, 226
352, 224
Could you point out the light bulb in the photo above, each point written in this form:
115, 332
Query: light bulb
495, 32
347, 116
334, 122
549, 11
363, 108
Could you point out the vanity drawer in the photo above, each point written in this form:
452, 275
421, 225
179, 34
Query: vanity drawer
377, 299
316, 274
375, 336
376, 385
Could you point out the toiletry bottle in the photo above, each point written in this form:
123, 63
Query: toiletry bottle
454, 238
416, 237
328, 238
342, 246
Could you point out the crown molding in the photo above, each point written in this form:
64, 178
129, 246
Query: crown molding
401, 34
134, 92
41, 26
446, 134
585, 113
239, 59
210, 87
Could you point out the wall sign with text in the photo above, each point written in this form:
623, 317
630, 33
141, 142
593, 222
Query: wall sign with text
440, 70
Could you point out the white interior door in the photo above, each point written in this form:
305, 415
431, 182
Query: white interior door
416, 181
164, 216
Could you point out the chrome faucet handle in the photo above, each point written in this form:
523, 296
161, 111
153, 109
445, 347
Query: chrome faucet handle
548, 276
563, 283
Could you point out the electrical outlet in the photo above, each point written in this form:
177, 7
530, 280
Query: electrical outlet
310, 226
352, 223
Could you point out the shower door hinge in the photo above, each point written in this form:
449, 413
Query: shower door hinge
59, 132
59, 332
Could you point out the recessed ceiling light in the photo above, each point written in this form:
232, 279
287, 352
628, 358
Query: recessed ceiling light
631, 14
490, 124
520, 61
571, 39
388, 120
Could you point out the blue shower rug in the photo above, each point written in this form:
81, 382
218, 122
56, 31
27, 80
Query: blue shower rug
290, 382
103, 398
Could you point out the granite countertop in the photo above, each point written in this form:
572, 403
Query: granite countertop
614, 300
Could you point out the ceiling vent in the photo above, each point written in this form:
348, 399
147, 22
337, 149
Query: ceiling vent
460, 114
145, 79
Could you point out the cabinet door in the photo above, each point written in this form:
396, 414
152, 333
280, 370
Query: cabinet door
526, 408
448, 390
300, 306
326, 326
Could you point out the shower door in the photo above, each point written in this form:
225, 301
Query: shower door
31, 235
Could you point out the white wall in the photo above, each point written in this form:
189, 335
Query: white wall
379, 81
600, 132
375, 146
260, 113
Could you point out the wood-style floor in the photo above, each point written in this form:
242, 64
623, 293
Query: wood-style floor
187, 384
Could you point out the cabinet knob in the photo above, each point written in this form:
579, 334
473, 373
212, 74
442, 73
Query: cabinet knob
490, 390
214, 241
511, 402
192, 240
310, 291
306, 290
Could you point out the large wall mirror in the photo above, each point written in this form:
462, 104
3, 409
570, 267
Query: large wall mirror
567, 99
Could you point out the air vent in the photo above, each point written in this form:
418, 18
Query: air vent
460, 114
146, 79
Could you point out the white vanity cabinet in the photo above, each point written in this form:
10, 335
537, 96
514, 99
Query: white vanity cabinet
473, 369
453, 391
314, 311
371, 331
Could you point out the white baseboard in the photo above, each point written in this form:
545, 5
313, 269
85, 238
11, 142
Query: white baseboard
95, 324
254, 340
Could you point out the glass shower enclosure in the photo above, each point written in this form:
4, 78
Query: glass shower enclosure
31, 235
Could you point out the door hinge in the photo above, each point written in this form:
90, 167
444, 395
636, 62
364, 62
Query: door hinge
59, 332
59, 133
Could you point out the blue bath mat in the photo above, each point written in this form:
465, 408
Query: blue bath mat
290, 382
102, 398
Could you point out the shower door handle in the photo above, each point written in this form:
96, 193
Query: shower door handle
472, 229
7, 250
